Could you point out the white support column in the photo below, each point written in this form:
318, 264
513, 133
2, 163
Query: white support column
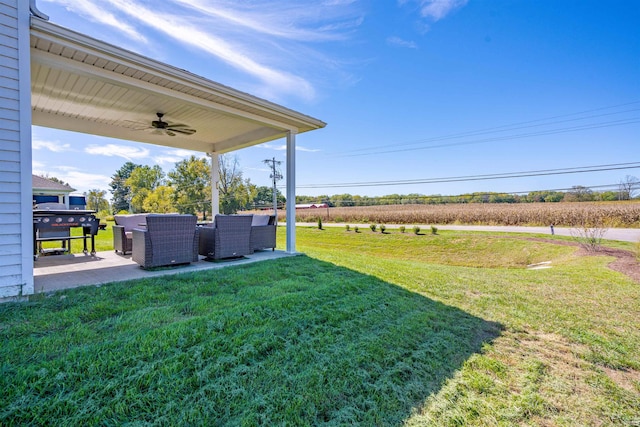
215, 179
291, 192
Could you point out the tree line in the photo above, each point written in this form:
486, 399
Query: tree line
185, 189
627, 189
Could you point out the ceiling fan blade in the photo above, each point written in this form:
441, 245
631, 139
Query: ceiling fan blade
185, 131
168, 132
177, 125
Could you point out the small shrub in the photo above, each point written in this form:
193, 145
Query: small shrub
382, 228
434, 230
356, 229
104, 215
347, 227
373, 227
589, 235
416, 229
319, 223
402, 228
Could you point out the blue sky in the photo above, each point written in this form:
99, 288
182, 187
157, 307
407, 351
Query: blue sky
411, 90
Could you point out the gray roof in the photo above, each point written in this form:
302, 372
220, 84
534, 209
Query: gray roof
40, 183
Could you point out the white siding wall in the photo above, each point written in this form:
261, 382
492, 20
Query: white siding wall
16, 259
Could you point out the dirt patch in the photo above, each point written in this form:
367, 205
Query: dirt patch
625, 263
625, 378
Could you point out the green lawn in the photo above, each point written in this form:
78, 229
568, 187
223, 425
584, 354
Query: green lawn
103, 240
365, 329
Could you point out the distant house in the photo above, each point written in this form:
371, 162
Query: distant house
311, 205
48, 191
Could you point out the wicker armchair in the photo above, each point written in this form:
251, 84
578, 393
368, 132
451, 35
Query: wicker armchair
229, 237
123, 231
167, 240
263, 232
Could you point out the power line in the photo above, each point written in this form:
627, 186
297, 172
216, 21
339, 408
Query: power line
506, 175
505, 128
613, 123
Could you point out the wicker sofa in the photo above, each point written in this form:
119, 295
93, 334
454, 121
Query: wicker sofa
263, 232
228, 237
123, 231
167, 240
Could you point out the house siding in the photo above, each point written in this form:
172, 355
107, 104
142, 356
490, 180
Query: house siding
16, 251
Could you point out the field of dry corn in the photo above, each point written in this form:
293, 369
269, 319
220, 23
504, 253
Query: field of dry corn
610, 214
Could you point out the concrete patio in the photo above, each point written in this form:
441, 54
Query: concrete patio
56, 272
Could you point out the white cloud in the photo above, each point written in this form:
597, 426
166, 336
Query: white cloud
82, 181
186, 32
67, 169
397, 41
283, 147
174, 156
438, 9
338, 2
98, 13
77, 179
111, 150
277, 42
163, 160
37, 167
184, 153
55, 146
275, 18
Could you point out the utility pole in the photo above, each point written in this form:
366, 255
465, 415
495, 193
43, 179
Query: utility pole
275, 176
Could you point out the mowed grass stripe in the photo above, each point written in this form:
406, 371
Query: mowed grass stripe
313, 342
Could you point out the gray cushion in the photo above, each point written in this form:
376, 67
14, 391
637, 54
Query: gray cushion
129, 222
260, 220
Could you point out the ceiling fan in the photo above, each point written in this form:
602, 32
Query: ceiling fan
160, 126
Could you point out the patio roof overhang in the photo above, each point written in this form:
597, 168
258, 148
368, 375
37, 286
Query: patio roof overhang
84, 85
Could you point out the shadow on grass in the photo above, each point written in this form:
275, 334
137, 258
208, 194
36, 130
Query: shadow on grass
294, 341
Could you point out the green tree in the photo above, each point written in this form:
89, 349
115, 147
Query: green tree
142, 181
579, 193
96, 200
191, 182
264, 197
608, 196
339, 200
160, 200
119, 191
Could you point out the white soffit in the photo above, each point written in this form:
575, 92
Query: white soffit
84, 85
